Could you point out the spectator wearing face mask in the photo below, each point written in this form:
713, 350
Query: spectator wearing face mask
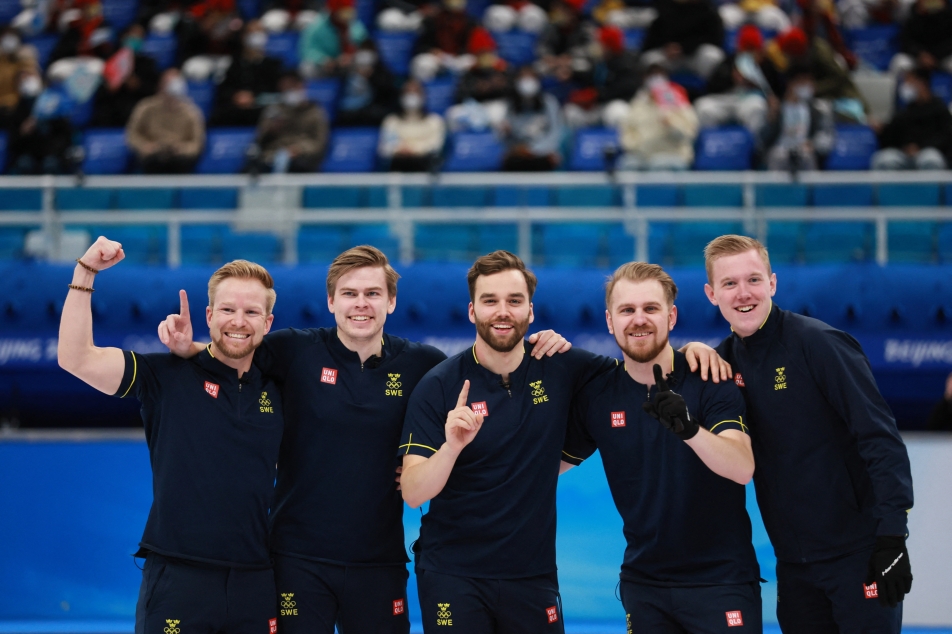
799, 130
482, 91
167, 132
533, 129
367, 92
687, 36
920, 134
41, 133
412, 138
659, 131
442, 44
329, 42
114, 101
249, 77
12, 68
292, 134
926, 38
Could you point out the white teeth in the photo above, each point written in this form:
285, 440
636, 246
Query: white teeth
745, 309
502, 327
360, 318
236, 336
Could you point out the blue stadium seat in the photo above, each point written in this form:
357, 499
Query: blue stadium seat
634, 38
659, 196
621, 245
324, 92
713, 196
445, 242
146, 198
413, 197
378, 236
284, 46
147, 244
321, 243
450, 196
908, 194
853, 148
352, 150
785, 241
572, 244
82, 113
588, 149
476, 8
689, 81
781, 195
875, 45
332, 197
225, 150
474, 152
836, 241
21, 199
843, 195
440, 93
396, 49
162, 48
724, 148
263, 248
943, 242
203, 94
208, 198
249, 8
44, 47
516, 47
913, 242
105, 152
11, 242
85, 199
366, 12
120, 13
688, 240
202, 244
511, 196
942, 86
492, 237
9, 10
588, 196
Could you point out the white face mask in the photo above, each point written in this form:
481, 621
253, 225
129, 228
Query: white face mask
527, 86
411, 101
365, 58
908, 93
256, 40
804, 92
656, 81
294, 97
9, 43
31, 86
176, 87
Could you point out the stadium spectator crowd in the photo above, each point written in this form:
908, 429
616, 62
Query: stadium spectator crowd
533, 75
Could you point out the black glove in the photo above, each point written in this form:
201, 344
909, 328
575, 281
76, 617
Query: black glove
889, 569
669, 407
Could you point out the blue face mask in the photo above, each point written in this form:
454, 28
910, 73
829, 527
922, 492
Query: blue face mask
134, 43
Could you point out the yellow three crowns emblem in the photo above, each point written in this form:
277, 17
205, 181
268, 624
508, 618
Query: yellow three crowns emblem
287, 600
264, 400
780, 381
172, 626
394, 382
537, 389
444, 612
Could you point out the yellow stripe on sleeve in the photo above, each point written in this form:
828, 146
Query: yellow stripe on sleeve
740, 422
414, 444
135, 368
573, 457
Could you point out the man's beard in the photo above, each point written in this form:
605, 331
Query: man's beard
495, 340
233, 353
641, 354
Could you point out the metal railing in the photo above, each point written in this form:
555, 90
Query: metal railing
272, 203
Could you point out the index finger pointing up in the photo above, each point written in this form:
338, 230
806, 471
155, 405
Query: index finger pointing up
661, 384
463, 395
183, 304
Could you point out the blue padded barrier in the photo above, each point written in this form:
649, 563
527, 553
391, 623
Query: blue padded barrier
874, 45
162, 48
352, 150
571, 244
493, 237
105, 151
320, 243
853, 148
634, 38
44, 45
208, 198
837, 242
440, 93
474, 152
781, 195
942, 86
688, 240
843, 195
120, 13
449, 196
510, 196
324, 92
659, 196
785, 241
202, 94
331, 197
445, 242
588, 148
713, 196
913, 242
263, 248
284, 46
225, 150
83, 199
724, 148
396, 49
516, 47
908, 194
21, 199
146, 198
588, 196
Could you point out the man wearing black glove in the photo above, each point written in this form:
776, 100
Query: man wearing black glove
668, 485
833, 479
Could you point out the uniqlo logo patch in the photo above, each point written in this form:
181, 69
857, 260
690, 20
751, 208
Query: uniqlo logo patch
212, 388
397, 606
273, 626
618, 419
480, 408
739, 380
329, 375
734, 618
871, 591
552, 613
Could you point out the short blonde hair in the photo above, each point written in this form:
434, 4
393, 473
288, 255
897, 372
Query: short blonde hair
497, 262
244, 270
732, 245
358, 258
641, 272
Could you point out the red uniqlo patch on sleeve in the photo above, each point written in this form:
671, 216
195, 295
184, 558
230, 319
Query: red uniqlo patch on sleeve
552, 613
739, 380
618, 419
329, 375
871, 591
734, 618
212, 388
273, 626
480, 408
397, 606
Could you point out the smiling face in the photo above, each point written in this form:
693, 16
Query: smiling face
501, 309
238, 319
640, 317
360, 304
741, 286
